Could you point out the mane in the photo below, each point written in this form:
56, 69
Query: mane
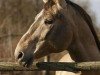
87, 18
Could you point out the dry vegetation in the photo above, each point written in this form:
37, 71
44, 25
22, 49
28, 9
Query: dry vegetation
15, 18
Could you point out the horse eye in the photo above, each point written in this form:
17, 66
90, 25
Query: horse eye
50, 21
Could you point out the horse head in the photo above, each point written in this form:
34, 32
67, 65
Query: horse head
51, 32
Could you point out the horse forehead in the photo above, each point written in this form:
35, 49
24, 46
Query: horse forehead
39, 15
43, 14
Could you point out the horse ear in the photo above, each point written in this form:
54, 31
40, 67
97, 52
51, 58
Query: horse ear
45, 1
61, 3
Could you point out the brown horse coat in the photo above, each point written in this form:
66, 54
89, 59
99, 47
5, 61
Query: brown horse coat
60, 26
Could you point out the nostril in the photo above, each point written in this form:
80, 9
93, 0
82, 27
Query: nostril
20, 55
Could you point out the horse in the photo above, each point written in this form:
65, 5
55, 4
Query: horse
61, 25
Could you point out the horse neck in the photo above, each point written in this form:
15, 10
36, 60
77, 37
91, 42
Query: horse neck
88, 20
83, 46
80, 52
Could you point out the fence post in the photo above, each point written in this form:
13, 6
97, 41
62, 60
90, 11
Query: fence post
47, 59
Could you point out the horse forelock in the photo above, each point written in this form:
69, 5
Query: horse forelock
48, 4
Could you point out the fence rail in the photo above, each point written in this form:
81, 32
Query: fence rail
52, 66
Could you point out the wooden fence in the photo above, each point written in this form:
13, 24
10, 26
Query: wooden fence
52, 66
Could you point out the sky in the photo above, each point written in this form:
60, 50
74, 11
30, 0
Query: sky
95, 6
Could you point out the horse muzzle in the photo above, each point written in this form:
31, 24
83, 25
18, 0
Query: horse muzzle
23, 59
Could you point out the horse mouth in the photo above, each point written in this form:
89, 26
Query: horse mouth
28, 63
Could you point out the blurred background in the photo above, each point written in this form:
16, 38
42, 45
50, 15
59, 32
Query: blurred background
16, 16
